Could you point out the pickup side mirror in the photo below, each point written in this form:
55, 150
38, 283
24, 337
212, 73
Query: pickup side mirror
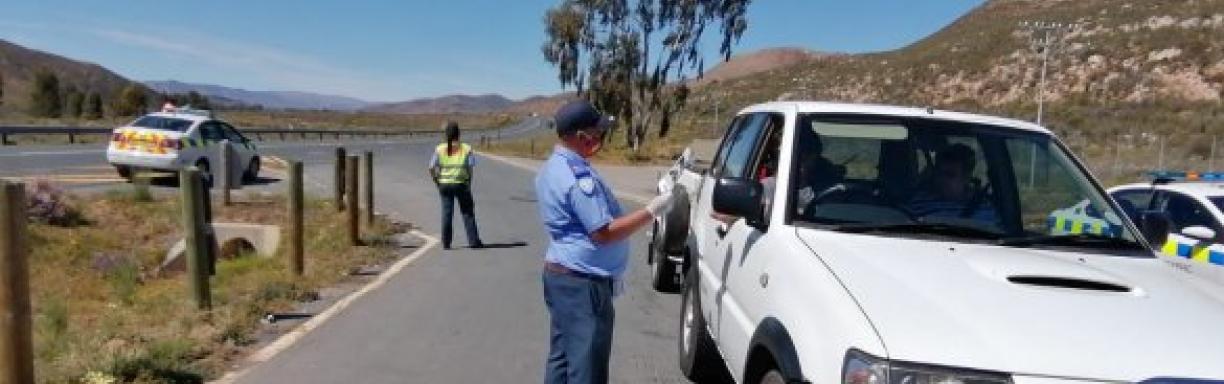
740, 198
1155, 227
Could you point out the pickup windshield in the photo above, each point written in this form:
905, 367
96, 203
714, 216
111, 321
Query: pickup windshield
962, 180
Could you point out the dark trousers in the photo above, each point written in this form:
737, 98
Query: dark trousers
467, 208
581, 338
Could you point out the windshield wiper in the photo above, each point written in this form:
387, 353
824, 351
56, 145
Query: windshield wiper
1082, 240
919, 227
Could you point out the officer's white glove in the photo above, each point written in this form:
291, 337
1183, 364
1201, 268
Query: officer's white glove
661, 205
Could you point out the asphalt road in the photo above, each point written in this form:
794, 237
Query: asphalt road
461, 316
469, 316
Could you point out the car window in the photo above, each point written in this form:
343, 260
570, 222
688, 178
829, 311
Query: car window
1133, 201
743, 147
232, 134
867, 171
1185, 212
162, 123
211, 131
725, 146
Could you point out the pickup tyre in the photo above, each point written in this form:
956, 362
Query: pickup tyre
698, 358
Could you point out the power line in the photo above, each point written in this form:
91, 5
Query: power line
1044, 37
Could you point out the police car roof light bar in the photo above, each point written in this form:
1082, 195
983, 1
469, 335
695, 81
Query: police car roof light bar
187, 110
1165, 177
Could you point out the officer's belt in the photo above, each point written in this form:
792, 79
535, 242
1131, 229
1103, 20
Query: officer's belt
562, 270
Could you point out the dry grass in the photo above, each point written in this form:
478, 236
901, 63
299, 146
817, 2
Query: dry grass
101, 310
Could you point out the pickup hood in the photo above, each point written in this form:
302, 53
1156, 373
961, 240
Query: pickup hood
957, 305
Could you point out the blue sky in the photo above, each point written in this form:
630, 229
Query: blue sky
388, 50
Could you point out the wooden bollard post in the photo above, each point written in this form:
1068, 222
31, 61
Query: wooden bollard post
16, 340
350, 176
210, 237
368, 165
226, 172
296, 222
340, 180
194, 223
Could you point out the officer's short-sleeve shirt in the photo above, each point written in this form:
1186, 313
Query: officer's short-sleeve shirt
573, 203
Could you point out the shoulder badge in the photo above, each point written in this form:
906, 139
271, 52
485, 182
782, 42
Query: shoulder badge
582, 174
586, 185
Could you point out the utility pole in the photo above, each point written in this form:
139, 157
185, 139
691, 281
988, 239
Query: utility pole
1044, 36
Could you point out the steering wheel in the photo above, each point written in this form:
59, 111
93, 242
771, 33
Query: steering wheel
980, 193
847, 190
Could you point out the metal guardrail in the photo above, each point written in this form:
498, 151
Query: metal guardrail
255, 133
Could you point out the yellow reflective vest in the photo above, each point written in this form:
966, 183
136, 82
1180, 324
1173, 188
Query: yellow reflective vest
452, 168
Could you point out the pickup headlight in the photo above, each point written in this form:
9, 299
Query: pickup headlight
861, 368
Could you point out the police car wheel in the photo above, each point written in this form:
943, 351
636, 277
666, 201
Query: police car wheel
124, 171
662, 268
698, 357
252, 171
674, 233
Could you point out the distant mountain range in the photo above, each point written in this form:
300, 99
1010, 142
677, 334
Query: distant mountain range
267, 99
446, 104
17, 65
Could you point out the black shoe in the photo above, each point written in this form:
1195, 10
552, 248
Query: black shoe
478, 246
446, 247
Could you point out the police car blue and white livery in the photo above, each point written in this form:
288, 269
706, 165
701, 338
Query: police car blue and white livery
873, 244
176, 138
1193, 203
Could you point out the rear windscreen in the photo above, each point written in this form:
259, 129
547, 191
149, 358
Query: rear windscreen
162, 123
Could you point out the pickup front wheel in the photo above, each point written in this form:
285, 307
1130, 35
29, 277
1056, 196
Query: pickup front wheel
698, 357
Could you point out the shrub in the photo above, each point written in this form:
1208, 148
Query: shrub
47, 204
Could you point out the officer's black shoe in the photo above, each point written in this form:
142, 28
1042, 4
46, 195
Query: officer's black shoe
446, 247
478, 246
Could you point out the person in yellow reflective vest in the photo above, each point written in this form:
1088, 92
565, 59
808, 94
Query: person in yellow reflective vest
451, 169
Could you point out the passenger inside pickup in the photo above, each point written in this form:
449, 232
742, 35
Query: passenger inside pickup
951, 191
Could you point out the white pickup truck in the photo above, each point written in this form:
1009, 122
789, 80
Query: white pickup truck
840, 243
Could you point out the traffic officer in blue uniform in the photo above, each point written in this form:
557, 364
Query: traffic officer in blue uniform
588, 249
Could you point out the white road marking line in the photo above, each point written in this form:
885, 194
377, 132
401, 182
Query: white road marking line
287, 340
519, 164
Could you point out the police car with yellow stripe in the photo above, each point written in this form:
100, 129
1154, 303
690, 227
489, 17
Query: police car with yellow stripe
1191, 205
176, 138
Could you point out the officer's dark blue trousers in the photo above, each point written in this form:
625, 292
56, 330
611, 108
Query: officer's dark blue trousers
467, 208
581, 338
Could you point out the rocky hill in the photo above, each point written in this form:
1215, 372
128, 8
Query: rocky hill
18, 65
1131, 68
763, 60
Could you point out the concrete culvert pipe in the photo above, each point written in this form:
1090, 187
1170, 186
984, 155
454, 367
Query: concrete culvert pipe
236, 247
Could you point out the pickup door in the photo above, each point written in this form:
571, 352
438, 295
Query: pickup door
730, 261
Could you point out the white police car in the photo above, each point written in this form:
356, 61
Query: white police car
1193, 204
176, 138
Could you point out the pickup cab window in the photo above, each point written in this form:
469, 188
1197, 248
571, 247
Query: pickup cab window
951, 179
